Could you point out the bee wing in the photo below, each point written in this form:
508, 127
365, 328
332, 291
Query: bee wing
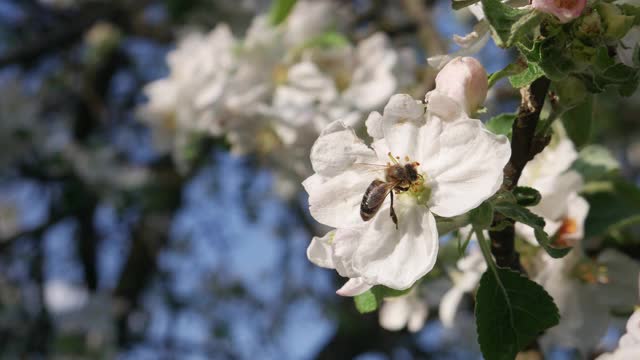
369, 168
373, 198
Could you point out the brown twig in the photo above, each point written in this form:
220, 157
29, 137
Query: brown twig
524, 146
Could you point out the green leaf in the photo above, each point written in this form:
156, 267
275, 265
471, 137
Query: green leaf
595, 162
614, 204
616, 23
511, 312
606, 71
570, 92
482, 216
525, 78
523, 215
461, 4
578, 122
550, 54
631, 10
279, 11
501, 17
371, 299
524, 25
446, 225
509, 70
329, 39
526, 196
501, 124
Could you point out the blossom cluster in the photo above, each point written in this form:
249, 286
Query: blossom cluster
273, 91
458, 164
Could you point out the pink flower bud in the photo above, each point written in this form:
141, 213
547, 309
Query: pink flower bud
464, 80
564, 10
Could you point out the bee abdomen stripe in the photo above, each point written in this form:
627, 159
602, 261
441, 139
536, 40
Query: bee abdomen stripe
372, 200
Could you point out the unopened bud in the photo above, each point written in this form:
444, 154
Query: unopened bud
563, 10
589, 26
616, 24
464, 80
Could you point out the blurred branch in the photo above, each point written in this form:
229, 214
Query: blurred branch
61, 37
422, 14
40, 332
71, 27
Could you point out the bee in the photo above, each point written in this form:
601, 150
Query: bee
398, 179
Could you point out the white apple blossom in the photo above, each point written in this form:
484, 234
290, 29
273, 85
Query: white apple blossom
408, 311
583, 320
563, 210
459, 163
199, 69
265, 58
584, 292
272, 92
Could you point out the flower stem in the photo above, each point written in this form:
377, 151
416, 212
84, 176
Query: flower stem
486, 252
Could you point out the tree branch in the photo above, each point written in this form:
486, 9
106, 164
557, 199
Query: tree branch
59, 38
525, 144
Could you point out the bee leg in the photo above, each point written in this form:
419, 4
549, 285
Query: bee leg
393, 213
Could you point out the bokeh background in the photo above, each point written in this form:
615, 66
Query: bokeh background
108, 250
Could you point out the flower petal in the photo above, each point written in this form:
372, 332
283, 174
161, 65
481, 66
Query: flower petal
394, 313
336, 201
418, 316
464, 165
554, 160
319, 251
577, 210
374, 125
337, 148
397, 258
583, 320
371, 93
402, 118
633, 329
442, 106
353, 287
449, 306
555, 192
345, 243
